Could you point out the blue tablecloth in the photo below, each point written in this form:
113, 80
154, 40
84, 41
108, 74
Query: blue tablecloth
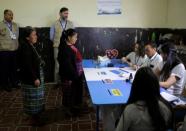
100, 91
89, 63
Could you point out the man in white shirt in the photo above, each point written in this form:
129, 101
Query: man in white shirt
153, 58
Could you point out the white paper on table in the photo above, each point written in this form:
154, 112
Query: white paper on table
179, 102
169, 97
129, 69
94, 74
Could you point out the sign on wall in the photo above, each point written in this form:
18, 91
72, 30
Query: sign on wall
109, 7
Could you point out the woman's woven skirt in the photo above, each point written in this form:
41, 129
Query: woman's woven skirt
33, 97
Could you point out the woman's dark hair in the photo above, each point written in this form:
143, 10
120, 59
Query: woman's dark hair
141, 49
66, 34
28, 30
145, 87
169, 49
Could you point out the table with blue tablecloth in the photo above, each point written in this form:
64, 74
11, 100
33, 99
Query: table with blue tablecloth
116, 92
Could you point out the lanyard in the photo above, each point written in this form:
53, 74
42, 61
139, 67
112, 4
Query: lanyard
9, 25
136, 60
153, 59
41, 61
12, 34
62, 24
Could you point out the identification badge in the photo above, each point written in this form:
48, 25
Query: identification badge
13, 36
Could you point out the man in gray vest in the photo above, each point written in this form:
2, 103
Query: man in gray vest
55, 34
9, 32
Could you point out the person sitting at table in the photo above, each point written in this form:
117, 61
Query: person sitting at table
171, 71
136, 58
70, 71
146, 110
153, 58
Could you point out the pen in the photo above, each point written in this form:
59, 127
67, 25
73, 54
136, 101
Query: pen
124, 70
109, 92
176, 100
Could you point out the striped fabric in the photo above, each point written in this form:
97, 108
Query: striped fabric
33, 97
67, 93
72, 92
79, 68
78, 60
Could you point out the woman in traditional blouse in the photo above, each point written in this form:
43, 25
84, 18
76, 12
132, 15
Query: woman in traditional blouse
70, 71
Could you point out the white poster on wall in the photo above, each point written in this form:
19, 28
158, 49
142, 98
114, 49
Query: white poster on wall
109, 7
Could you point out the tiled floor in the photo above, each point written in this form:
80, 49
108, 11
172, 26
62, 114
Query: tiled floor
12, 117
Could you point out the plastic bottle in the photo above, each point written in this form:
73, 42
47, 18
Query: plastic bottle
130, 77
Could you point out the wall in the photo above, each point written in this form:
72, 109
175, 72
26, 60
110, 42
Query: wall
176, 15
135, 13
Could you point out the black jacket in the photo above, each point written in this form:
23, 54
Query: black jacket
28, 64
67, 62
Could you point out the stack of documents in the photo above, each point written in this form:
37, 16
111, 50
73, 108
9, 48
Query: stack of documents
103, 61
171, 98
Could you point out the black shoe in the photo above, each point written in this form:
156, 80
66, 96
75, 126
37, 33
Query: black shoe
75, 111
66, 110
8, 89
18, 86
56, 86
1, 88
37, 121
